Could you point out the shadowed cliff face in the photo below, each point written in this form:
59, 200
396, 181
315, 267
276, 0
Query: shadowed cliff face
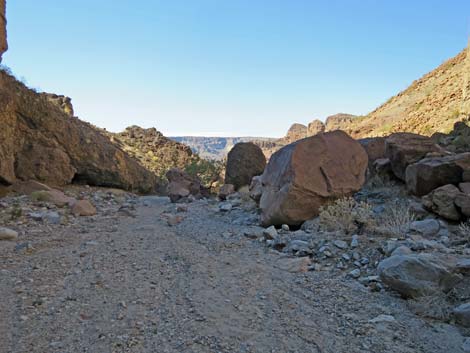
3, 29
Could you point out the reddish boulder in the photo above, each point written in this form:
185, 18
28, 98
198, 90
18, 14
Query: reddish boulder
226, 190
244, 161
28, 187
403, 149
304, 175
430, 173
375, 148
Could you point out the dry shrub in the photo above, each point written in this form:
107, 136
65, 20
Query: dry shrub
395, 221
346, 215
464, 229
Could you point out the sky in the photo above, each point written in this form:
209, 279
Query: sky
229, 67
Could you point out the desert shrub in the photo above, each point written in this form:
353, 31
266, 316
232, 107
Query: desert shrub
346, 215
464, 229
395, 221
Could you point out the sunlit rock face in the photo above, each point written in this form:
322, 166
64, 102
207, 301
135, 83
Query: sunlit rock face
3, 29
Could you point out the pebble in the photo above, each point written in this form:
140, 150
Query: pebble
355, 273
225, 207
340, 244
466, 344
382, 318
285, 227
355, 241
7, 234
270, 233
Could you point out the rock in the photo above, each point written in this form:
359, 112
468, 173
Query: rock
403, 149
416, 275
182, 185
294, 265
3, 29
296, 132
304, 175
402, 250
382, 167
256, 188
355, 241
226, 190
30, 186
7, 234
253, 233
173, 220
62, 102
315, 127
465, 188
462, 201
41, 142
225, 207
466, 344
429, 173
340, 244
285, 227
463, 266
83, 208
340, 121
462, 314
52, 217
374, 147
56, 197
270, 233
244, 161
298, 247
355, 273
441, 202
382, 318
427, 227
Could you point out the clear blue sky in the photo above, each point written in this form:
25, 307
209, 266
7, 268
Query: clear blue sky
229, 67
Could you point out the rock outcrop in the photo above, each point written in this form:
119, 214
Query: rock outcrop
304, 175
403, 149
315, 127
41, 142
3, 29
244, 161
296, 132
154, 151
340, 121
63, 102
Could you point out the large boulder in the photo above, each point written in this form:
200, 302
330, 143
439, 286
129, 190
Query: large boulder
244, 161
3, 29
303, 176
41, 142
403, 149
181, 185
375, 148
442, 202
430, 173
417, 275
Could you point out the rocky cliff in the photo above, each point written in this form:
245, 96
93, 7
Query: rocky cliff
3, 29
40, 141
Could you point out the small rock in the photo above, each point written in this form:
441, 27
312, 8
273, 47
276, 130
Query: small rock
355, 273
401, 250
426, 227
7, 234
466, 344
226, 190
225, 207
355, 241
270, 233
83, 208
340, 244
301, 264
382, 318
285, 227
462, 314
173, 220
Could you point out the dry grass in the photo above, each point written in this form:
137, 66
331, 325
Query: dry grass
434, 307
464, 229
346, 215
395, 221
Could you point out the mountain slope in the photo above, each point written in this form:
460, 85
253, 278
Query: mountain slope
431, 104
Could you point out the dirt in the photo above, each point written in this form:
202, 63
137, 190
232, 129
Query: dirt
128, 282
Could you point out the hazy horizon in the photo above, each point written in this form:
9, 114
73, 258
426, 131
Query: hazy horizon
245, 68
